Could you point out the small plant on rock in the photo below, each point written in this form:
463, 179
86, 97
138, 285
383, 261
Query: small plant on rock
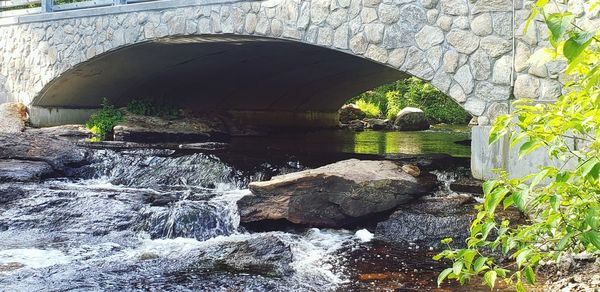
101, 123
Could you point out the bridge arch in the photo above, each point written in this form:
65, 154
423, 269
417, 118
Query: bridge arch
435, 41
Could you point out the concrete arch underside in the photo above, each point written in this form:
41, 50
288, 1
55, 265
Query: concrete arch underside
219, 72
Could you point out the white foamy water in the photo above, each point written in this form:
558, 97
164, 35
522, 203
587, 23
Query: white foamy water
34, 258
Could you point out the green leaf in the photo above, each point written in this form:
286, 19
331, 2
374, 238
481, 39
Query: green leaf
520, 198
478, 266
520, 287
457, 267
490, 278
563, 242
487, 227
442, 276
488, 186
528, 147
592, 237
522, 256
529, 275
591, 168
538, 178
558, 24
492, 200
575, 45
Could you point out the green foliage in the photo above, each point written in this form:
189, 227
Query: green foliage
371, 110
562, 202
413, 92
152, 108
101, 123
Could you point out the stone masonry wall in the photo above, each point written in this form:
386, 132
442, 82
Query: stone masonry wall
463, 47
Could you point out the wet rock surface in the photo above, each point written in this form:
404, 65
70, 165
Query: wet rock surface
137, 128
335, 195
429, 220
23, 171
58, 153
265, 255
467, 185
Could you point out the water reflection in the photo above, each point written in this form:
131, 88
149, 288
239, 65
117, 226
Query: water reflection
437, 140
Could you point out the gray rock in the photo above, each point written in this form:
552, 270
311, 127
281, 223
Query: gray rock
492, 6
455, 7
429, 36
465, 79
23, 171
266, 254
388, 14
335, 195
464, 41
58, 153
492, 92
450, 61
428, 221
480, 65
411, 119
137, 128
350, 112
482, 25
496, 46
378, 124
475, 106
527, 86
502, 70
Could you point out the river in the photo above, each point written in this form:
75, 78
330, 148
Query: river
167, 220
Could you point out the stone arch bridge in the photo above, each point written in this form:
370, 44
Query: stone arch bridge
273, 58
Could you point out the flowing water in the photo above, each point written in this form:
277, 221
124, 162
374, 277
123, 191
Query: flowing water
161, 220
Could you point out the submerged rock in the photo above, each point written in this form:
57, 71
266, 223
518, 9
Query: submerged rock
350, 112
265, 255
23, 171
13, 116
137, 128
411, 119
335, 195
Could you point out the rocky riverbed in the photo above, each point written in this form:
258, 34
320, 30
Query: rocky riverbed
211, 216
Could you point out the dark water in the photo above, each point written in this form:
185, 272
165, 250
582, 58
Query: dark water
440, 139
160, 220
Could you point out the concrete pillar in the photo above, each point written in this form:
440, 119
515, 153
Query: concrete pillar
485, 158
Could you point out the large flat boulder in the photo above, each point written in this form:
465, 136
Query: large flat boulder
336, 195
13, 116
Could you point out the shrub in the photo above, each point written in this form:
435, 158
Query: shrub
370, 109
101, 123
146, 107
562, 201
393, 97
